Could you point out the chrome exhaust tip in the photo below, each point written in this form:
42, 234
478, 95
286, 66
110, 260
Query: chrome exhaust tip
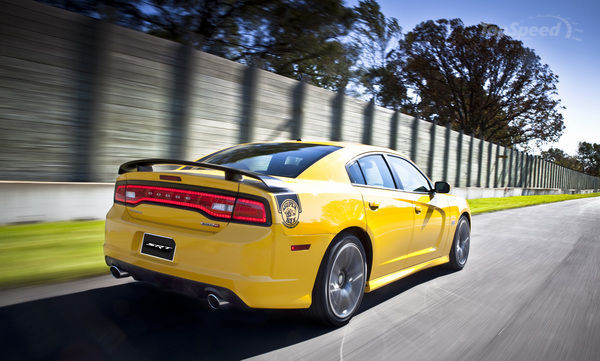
117, 273
215, 302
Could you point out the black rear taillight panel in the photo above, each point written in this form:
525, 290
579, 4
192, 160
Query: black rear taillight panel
133, 193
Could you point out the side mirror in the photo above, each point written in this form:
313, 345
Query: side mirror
442, 187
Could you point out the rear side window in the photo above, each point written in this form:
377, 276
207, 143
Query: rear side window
277, 159
355, 174
376, 172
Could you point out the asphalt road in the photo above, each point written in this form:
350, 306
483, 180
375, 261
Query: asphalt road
530, 291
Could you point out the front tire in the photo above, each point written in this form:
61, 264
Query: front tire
340, 284
459, 253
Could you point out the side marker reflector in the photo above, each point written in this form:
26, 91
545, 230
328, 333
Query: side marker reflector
300, 247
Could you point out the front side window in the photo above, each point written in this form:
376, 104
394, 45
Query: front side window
277, 159
409, 177
376, 172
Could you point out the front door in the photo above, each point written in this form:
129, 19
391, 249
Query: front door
429, 211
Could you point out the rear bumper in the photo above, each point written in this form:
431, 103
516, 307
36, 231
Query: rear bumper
188, 287
250, 263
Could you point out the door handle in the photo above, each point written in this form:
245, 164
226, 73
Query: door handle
418, 209
373, 205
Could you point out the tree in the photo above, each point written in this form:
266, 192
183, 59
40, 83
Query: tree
122, 12
301, 39
480, 81
373, 36
589, 156
561, 158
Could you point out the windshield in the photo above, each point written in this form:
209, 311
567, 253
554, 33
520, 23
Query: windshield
277, 159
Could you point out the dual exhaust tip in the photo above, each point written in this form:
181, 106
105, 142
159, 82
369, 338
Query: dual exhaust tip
214, 301
118, 273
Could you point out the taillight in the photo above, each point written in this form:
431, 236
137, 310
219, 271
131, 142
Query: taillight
120, 193
215, 205
249, 211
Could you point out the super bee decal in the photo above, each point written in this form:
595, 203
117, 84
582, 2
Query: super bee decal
288, 205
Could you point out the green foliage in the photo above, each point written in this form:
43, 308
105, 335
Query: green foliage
561, 158
480, 81
587, 159
373, 37
300, 39
588, 155
473, 77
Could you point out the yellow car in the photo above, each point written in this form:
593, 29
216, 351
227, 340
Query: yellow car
283, 225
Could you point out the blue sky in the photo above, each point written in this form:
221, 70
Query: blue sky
573, 55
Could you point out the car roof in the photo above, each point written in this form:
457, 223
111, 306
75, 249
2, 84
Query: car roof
322, 169
356, 148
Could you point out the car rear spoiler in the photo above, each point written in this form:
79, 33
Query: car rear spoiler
232, 174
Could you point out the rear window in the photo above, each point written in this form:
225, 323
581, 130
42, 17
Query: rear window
277, 159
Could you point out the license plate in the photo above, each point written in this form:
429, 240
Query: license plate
158, 246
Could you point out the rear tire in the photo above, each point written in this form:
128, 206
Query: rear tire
459, 253
340, 283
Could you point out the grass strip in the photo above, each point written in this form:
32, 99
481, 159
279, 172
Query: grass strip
60, 251
482, 205
50, 252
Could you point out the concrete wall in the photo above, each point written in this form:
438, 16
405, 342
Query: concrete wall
78, 97
54, 201
62, 201
475, 192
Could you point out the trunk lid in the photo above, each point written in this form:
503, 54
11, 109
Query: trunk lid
194, 199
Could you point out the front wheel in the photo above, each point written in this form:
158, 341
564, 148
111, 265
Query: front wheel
461, 244
340, 284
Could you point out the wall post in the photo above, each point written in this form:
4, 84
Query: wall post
249, 90
394, 130
446, 152
298, 96
181, 95
337, 116
368, 115
527, 177
431, 156
92, 64
470, 161
480, 163
459, 148
496, 168
510, 182
414, 142
488, 173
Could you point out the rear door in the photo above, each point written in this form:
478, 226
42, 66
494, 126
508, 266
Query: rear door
389, 217
429, 211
